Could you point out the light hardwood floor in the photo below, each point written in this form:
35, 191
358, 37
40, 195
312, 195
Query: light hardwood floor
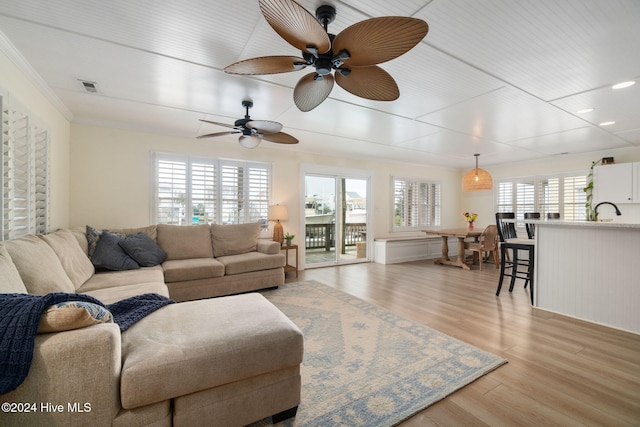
560, 371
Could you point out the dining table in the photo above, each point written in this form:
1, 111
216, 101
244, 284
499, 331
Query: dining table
461, 234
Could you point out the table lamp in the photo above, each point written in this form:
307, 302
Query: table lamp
278, 213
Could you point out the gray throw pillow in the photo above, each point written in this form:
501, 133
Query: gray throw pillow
108, 254
143, 249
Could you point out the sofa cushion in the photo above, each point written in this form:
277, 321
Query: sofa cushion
185, 241
113, 279
69, 315
73, 259
110, 256
233, 239
251, 261
111, 295
143, 249
10, 281
229, 339
179, 270
39, 266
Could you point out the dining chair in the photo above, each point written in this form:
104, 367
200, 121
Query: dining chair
517, 267
487, 243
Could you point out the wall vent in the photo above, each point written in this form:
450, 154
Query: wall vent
90, 87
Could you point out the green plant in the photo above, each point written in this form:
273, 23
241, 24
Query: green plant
589, 210
289, 237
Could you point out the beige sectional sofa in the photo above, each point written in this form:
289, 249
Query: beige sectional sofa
222, 361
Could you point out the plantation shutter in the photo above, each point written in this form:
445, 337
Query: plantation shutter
505, 197
399, 204
549, 196
574, 198
171, 194
416, 204
562, 194
24, 173
525, 197
232, 194
259, 189
191, 190
203, 192
7, 193
40, 187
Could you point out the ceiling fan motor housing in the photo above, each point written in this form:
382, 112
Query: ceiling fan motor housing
326, 14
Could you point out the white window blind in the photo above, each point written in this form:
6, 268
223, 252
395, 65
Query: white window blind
193, 190
24, 173
555, 193
416, 204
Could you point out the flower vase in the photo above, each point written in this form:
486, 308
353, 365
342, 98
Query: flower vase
469, 225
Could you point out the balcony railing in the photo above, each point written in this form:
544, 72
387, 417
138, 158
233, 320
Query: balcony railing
319, 236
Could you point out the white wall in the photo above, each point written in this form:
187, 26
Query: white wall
111, 176
22, 89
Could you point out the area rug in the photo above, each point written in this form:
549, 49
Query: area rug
366, 366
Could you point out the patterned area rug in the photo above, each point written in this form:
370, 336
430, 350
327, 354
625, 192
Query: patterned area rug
366, 366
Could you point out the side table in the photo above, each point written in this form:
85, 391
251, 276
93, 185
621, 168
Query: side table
287, 265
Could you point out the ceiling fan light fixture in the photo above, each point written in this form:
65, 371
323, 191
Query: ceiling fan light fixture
477, 179
249, 141
362, 45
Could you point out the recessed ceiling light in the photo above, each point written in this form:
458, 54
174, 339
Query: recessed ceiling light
585, 110
607, 123
623, 84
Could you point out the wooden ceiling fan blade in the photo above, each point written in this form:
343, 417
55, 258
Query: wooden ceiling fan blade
211, 135
378, 40
295, 24
266, 65
218, 123
264, 126
309, 92
370, 83
280, 138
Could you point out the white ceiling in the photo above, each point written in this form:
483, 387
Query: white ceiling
503, 78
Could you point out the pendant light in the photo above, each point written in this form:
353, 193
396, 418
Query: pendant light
477, 179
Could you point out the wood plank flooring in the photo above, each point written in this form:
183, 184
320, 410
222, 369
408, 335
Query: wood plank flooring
561, 371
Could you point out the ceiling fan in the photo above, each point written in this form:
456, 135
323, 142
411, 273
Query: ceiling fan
253, 131
353, 54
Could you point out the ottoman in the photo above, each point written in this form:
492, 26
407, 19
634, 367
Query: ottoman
224, 361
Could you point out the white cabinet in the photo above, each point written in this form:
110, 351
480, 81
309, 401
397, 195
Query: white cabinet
615, 183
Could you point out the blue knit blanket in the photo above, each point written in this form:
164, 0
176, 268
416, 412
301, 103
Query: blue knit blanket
20, 315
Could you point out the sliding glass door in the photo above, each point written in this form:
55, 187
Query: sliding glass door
335, 219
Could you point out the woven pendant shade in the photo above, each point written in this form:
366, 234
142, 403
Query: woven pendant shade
477, 179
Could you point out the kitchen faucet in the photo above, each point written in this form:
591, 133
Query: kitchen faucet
607, 203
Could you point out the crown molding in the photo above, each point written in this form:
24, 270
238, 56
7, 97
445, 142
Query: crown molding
32, 75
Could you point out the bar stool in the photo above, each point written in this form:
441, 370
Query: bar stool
531, 228
517, 268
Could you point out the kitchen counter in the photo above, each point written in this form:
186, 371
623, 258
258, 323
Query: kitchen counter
589, 270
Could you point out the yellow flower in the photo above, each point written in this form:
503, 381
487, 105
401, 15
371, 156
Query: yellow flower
469, 216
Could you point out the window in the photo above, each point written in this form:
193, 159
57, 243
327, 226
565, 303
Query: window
416, 204
193, 190
23, 173
558, 193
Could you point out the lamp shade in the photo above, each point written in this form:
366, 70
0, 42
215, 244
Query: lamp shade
278, 213
477, 179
